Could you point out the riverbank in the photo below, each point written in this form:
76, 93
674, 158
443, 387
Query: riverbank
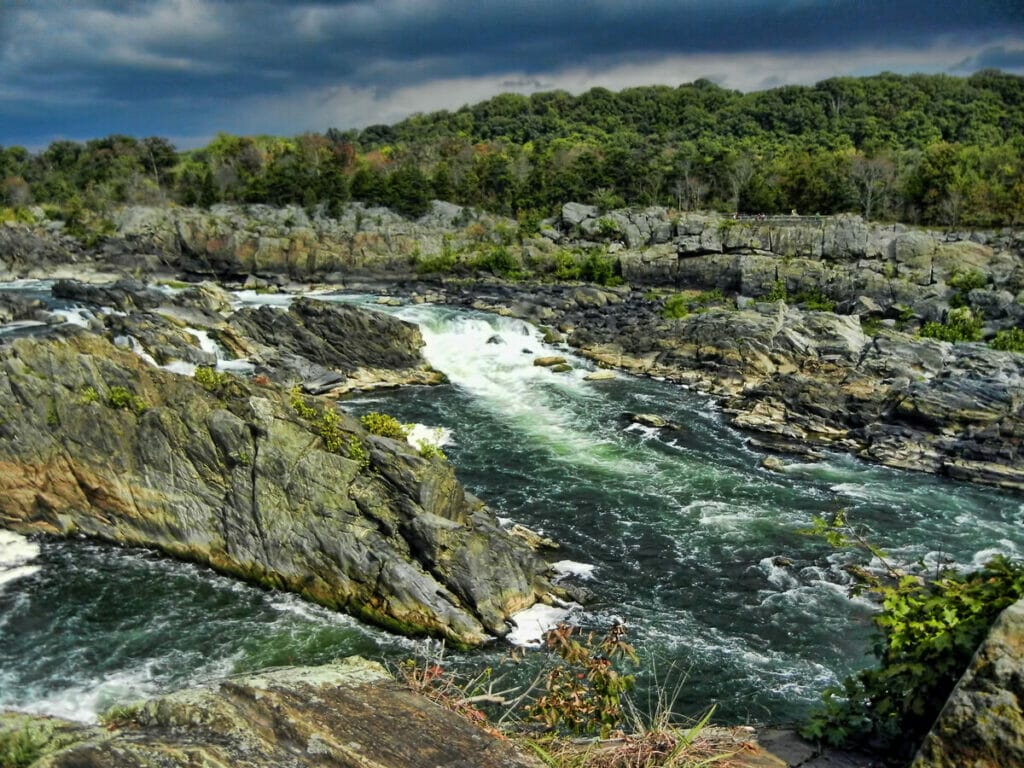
808, 329
778, 345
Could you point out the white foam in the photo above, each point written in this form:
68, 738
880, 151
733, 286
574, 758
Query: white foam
254, 299
566, 568
206, 344
502, 378
78, 316
180, 367
779, 576
16, 552
132, 344
420, 435
17, 325
532, 623
646, 432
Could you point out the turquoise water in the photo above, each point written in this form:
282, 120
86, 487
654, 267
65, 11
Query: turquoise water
694, 546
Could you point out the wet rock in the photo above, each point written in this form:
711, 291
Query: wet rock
601, 376
97, 442
349, 714
315, 341
548, 361
533, 539
125, 294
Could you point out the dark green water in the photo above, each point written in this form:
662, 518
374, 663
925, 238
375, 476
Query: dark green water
683, 533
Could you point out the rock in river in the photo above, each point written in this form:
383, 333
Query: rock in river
284, 491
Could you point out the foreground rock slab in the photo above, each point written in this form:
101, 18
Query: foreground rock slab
982, 724
349, 714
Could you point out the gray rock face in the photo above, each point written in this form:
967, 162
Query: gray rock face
816, 378
96, 442
339, 346
982, 723
349, 714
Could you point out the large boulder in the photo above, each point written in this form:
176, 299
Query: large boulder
334, 347
982, 723
281, 490
348, 714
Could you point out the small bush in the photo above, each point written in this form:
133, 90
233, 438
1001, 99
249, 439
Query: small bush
89, 395
441, 263
498, 261
19, 749
212, 380
961, 325
431, 451
928, 630
357, 451
598, 269
676, 306
583, 693
681, 304
121, 398
964, 283
607, 227
815, 301
1010, 340
566, 266
384, 425
120, 714
777, 292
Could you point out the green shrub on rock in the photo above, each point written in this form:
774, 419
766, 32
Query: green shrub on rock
1010, 340
212, 380
383, 425
928, 630
964, 283
600, 270
961, 325
120, 397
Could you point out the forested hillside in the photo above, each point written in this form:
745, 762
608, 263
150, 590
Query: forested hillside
930, 149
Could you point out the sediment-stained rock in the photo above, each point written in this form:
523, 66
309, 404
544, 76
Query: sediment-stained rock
292, 495
982, 723
349, 714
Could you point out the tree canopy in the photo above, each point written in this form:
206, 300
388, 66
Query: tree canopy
932, 149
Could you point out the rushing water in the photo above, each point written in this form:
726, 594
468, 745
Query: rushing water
692, 544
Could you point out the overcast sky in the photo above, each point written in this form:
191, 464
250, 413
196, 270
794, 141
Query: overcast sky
186, 69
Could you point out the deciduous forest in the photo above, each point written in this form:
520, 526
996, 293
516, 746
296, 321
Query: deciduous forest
928, 149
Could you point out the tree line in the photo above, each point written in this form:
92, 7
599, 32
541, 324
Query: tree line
930, 149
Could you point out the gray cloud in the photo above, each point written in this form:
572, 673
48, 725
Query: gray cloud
192, 66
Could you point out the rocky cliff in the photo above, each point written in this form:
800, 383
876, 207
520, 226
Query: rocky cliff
276, 488
349, 714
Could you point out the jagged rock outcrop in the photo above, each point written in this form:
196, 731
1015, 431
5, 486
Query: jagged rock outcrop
982, 723
325, 347
840, 257
349, 714
810, 378
333, 347
95, 441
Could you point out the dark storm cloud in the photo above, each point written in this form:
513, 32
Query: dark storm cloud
162, 66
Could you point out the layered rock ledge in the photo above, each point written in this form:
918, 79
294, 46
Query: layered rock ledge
293, 495
804, 379
349, 714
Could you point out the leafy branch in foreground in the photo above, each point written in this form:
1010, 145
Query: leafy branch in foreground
581, 692
928, 630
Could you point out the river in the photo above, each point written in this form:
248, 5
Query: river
692, 544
